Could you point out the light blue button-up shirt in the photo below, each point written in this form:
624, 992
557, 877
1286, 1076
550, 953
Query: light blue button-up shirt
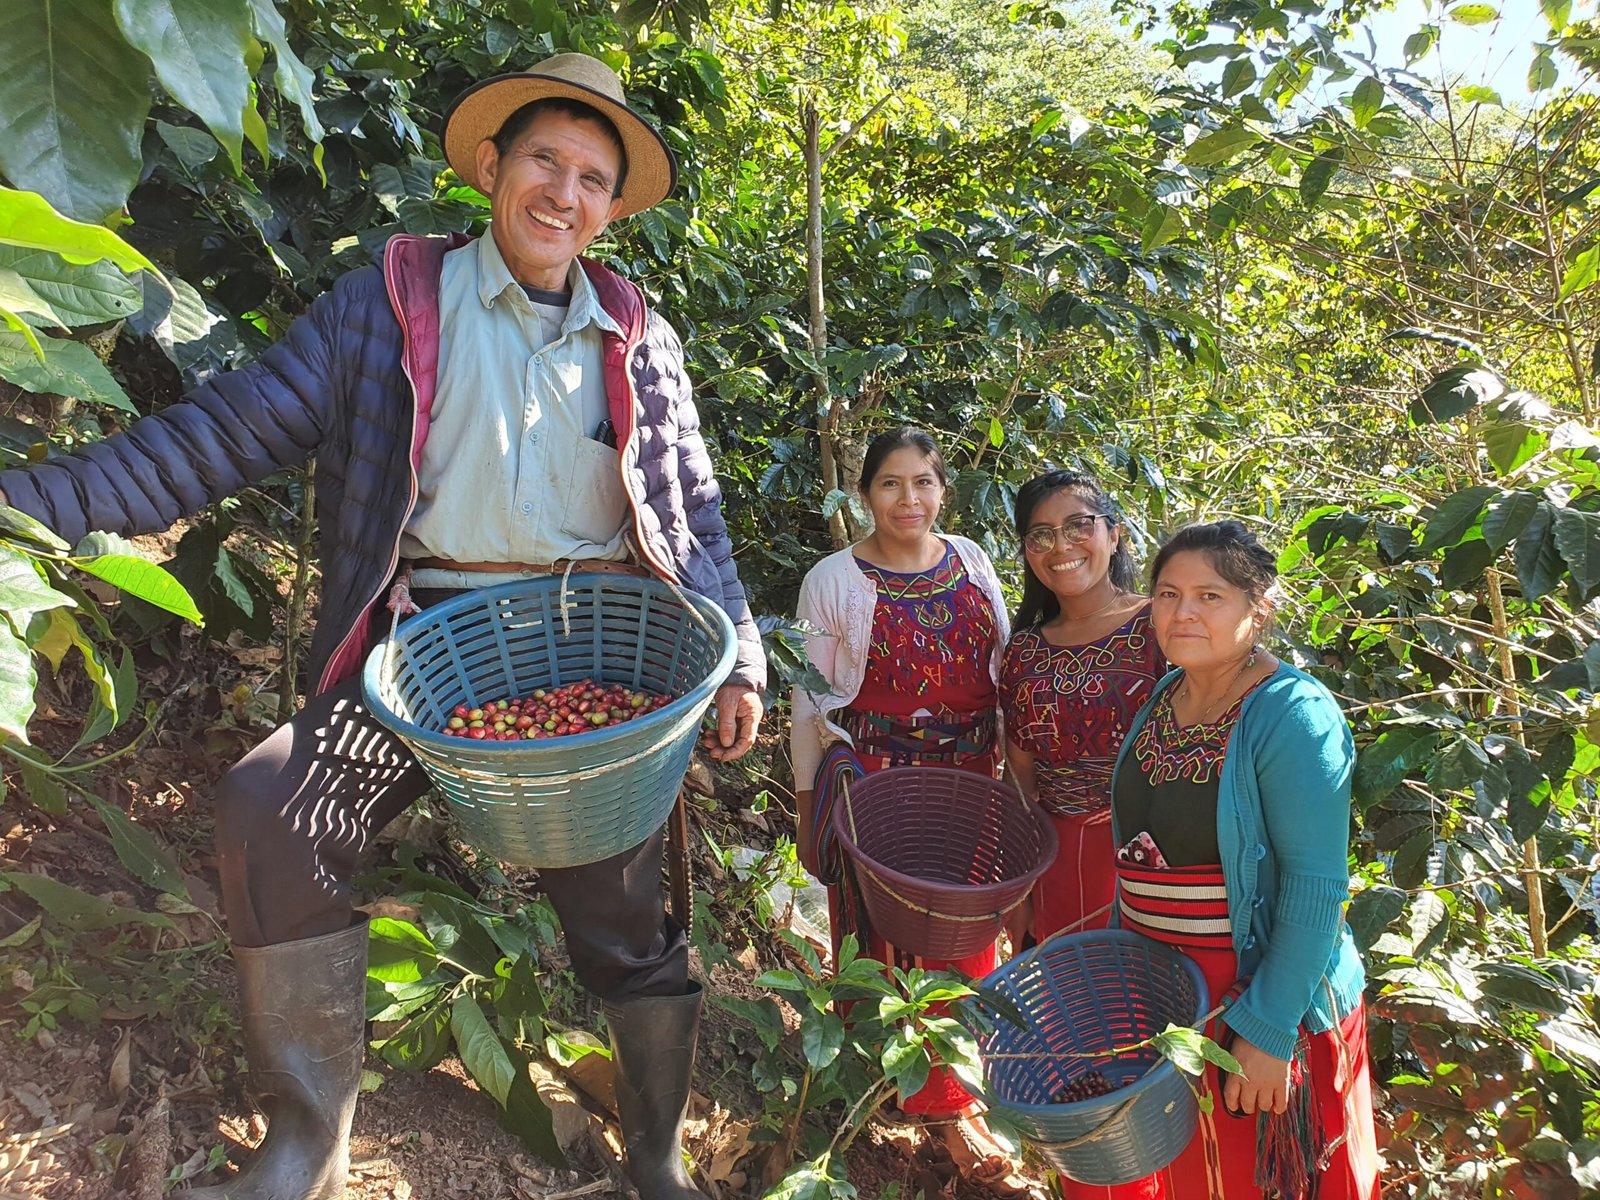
511, 471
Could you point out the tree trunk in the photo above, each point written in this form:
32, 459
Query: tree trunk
827, 416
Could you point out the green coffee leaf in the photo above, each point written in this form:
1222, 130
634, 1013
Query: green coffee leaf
480, 1049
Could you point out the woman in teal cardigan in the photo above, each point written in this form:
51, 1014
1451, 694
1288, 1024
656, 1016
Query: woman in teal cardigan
1231, 814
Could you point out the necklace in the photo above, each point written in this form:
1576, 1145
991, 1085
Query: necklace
1119, 598
1205, 713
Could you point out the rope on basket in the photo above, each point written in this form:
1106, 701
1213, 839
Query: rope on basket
400, 604
497, 777
850, 816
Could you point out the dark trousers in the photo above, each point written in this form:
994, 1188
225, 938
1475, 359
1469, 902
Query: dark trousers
296, 812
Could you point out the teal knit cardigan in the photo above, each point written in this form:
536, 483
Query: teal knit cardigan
1283, 825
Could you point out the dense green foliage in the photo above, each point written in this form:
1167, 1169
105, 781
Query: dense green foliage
1250, 270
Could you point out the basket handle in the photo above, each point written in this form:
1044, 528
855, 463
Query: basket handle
849, 810
933, 912
1095, 1134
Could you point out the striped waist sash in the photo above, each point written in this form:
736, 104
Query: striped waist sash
1182, 906
942, 739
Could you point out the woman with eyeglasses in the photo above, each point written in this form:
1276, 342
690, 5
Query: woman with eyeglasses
1082, 661
1231, 805
906, 628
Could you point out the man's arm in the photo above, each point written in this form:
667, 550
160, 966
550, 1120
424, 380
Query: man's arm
230, 432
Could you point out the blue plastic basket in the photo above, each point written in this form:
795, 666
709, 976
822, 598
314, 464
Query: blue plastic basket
1087, 994
555, 802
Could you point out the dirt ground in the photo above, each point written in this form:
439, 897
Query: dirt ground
136, 1083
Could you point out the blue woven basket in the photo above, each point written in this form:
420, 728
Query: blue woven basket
1087, 994
554, 802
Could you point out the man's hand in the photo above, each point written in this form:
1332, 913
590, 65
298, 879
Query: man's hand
1264, 1086
738, 718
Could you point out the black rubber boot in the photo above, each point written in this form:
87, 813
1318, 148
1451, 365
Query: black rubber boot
304, 1010
652, 1049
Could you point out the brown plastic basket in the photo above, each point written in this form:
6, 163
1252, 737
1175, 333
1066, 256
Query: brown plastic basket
941, 855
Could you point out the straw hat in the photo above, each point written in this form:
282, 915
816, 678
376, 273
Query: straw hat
479, 112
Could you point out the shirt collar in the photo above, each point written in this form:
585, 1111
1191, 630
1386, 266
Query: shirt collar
494, 277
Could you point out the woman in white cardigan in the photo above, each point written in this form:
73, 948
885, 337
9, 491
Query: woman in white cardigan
908, 627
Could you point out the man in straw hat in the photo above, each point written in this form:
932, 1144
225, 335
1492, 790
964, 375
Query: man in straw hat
481, 410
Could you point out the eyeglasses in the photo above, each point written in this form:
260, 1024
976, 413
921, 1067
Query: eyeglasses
1041, 539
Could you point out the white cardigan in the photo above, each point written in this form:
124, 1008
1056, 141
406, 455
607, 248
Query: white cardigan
838, 597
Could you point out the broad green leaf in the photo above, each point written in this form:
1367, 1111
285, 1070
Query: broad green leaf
399, 952
480, 1049
139, 851
69, 369
198, 48
43, 787
821, 1037
25, 331
1456, 390
1381, 766
27, 220
23, 590
1161, 224
1314, 180
1464, 564
1461, 764
1542, 72
1219, 146
1585, 269
1420, 42
1474, 14
77, 293
1522, 986
74, 95
1237, 76
17, 681
1577, 536
1181, 1047
833, 502
1538, 559
1453, 517
15, 523
18, 298
421, 1042
1365, 101
1373, 911
1557, 12
1506, 517
148, 581
76, 910
1475, 93
1511, 444
525, 1114
193, 148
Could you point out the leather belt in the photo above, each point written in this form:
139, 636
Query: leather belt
603, 566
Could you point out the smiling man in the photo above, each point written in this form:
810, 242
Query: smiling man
481, 410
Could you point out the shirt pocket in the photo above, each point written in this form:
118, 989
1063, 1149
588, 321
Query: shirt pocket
596, 503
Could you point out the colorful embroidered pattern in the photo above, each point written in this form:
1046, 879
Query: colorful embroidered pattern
933, 638
1167, 752
1071, 706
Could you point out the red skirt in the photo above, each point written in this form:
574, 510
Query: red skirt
1221, 1162
1076, 891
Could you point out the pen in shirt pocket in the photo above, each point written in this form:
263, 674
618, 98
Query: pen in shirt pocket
606, 434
